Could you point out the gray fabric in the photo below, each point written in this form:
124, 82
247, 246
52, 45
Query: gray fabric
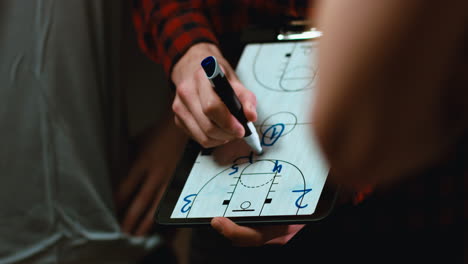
60, 141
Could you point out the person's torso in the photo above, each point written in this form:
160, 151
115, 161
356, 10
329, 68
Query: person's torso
59, 117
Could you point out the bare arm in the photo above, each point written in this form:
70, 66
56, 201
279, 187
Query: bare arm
385, 106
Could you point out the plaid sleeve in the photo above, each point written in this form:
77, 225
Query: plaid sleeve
166, 29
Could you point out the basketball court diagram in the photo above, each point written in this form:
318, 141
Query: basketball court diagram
289, 177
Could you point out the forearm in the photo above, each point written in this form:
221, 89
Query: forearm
167, 29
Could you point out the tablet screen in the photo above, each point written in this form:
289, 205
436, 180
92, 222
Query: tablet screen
288, 179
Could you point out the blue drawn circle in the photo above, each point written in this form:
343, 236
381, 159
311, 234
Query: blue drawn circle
275, 135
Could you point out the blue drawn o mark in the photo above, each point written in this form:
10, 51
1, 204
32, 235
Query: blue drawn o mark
276, 131
187, 202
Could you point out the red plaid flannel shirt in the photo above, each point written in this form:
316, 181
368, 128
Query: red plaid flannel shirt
167, 28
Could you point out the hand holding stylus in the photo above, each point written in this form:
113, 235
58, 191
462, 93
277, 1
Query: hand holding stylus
198, 109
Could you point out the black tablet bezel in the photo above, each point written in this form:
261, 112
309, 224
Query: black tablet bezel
168, 202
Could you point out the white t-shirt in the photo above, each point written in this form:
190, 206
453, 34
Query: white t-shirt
61, 144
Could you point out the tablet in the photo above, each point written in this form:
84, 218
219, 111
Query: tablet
287, 184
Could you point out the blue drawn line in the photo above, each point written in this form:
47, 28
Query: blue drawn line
277, 167
299, 200
235, 168
186, 199
275, 134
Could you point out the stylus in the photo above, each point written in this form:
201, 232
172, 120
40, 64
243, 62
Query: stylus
228, 96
